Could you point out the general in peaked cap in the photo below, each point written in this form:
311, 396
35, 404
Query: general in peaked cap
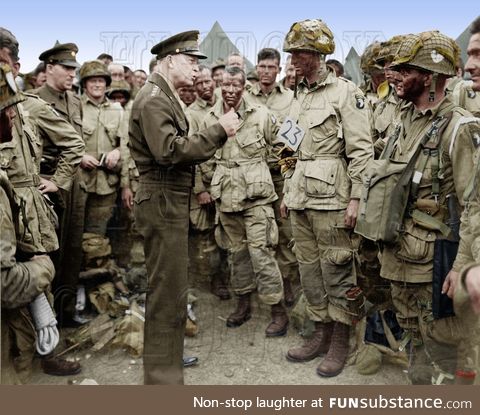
62, 53
185, 42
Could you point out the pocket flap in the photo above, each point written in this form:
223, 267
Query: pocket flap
249, 139
318, 117
142, 195
324, 170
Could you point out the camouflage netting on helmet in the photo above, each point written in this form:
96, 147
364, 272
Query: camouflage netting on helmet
431, 51
388, 49
95, 68
368, 61
309, 35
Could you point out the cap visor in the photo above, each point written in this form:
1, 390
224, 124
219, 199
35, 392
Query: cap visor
198, 54
71, 64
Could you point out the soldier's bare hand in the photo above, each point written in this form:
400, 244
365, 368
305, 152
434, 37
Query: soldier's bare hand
472, 282
89, 162
351, 213
229, 122
47, 186
204, 198
283, 210
450, 283
112, 158
127, 198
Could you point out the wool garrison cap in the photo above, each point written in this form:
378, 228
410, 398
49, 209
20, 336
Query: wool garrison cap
185, 42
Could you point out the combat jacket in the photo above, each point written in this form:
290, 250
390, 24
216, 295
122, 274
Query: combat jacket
67, 104
464, 96
21, 282
20, 159
159, 141
101, 125
242, 179
278, 103
335, 149
55, 133
411, 259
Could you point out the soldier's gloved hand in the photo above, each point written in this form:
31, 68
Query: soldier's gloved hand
112, 158
229, 122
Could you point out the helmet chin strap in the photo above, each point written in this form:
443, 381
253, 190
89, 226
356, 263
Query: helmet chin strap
433, 86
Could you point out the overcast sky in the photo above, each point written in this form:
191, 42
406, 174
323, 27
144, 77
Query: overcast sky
128, 30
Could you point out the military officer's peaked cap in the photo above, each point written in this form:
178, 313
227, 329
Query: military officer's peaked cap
62, 53
185, 42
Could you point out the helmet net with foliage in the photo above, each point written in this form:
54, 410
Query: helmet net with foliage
431, 51
388, 49
309, 35
9, 93
94, 68
368, 61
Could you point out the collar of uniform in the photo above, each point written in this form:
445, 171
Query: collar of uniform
325, 78
200, 102
55, 93
430, 112
255, 90
169, 84
87, 100
244, 108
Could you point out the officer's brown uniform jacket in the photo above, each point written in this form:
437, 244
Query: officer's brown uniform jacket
58, 135
158, 132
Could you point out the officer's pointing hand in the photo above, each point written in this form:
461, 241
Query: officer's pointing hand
229, 122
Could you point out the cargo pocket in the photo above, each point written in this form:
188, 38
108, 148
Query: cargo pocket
7, 154
338, 256
259, 182
416, 245
323, 124
141, 196
271, 228
320, 177
112, 133
216, 184
252, 145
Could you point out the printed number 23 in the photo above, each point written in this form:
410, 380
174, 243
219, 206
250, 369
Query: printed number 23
291, 137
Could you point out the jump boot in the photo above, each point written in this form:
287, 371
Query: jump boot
219, 288
242, 313
334, 361
318, 344
278, 325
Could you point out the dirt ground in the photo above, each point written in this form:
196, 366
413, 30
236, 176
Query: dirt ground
239, 356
